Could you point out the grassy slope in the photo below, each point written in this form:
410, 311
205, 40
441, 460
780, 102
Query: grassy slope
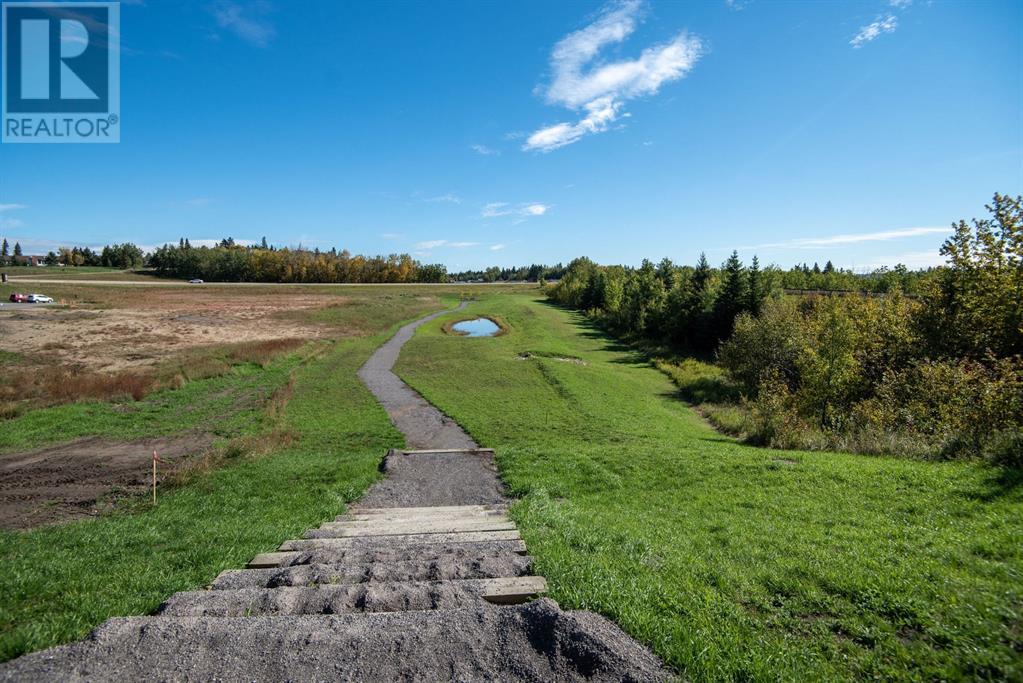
732, 562
59, 582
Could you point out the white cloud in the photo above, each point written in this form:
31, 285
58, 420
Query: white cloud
448, 198
12, 207
885, 24
497, 247
524, 210
248, 23
485, 151
11, 223
883, 236
495, 209
433, 244
602, 90
900, 4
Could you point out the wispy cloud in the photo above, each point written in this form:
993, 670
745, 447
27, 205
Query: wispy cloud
900, 4
448, 198
524, 210
434, 244
390, 236
601, 92
497, 247
886, 24
485, 151
11, 223
854, 238
249, 21
737, 5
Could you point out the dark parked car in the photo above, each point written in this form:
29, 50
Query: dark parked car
19, 298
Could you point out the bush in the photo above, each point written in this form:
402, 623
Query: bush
765, 346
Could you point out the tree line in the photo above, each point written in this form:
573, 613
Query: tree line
531, 273
939, 373
125, 256
231, 262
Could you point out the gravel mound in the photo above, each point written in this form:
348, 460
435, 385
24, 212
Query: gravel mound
533, 642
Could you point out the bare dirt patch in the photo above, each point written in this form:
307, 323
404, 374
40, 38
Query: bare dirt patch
150, 327
78, 478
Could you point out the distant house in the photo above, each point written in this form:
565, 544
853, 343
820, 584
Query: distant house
36, 260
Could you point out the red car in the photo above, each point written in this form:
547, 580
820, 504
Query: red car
19, 298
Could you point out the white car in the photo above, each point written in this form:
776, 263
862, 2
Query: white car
195, 281
39, 299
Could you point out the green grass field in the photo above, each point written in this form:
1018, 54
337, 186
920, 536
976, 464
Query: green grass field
731, 562
61, 581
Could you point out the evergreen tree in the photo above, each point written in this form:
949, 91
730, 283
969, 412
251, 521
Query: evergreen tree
755, 287
263, 244
732, 297
17, 249
5, 250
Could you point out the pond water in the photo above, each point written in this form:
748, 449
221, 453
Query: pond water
480, 327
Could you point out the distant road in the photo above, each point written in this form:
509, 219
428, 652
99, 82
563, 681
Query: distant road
14, 280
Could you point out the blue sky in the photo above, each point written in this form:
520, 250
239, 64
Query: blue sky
482, 133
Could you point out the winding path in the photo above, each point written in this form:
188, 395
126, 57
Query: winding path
425, 579
423, 425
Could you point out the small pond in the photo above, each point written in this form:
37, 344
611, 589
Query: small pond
480, 327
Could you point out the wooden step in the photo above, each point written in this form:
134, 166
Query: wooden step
451, 568
351, 529
363, 555
421, 516
400, 540
267, 560
470, 451
436, 509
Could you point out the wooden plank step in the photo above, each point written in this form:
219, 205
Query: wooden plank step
416, 517
513, 590
401, 540
434, 510
345, 529
355, 554
470, 451
267, 560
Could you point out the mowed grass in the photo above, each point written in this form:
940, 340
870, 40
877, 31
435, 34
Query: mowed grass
59, 582
731, 562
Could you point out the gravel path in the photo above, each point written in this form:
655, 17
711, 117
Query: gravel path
423, 479
426, 579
